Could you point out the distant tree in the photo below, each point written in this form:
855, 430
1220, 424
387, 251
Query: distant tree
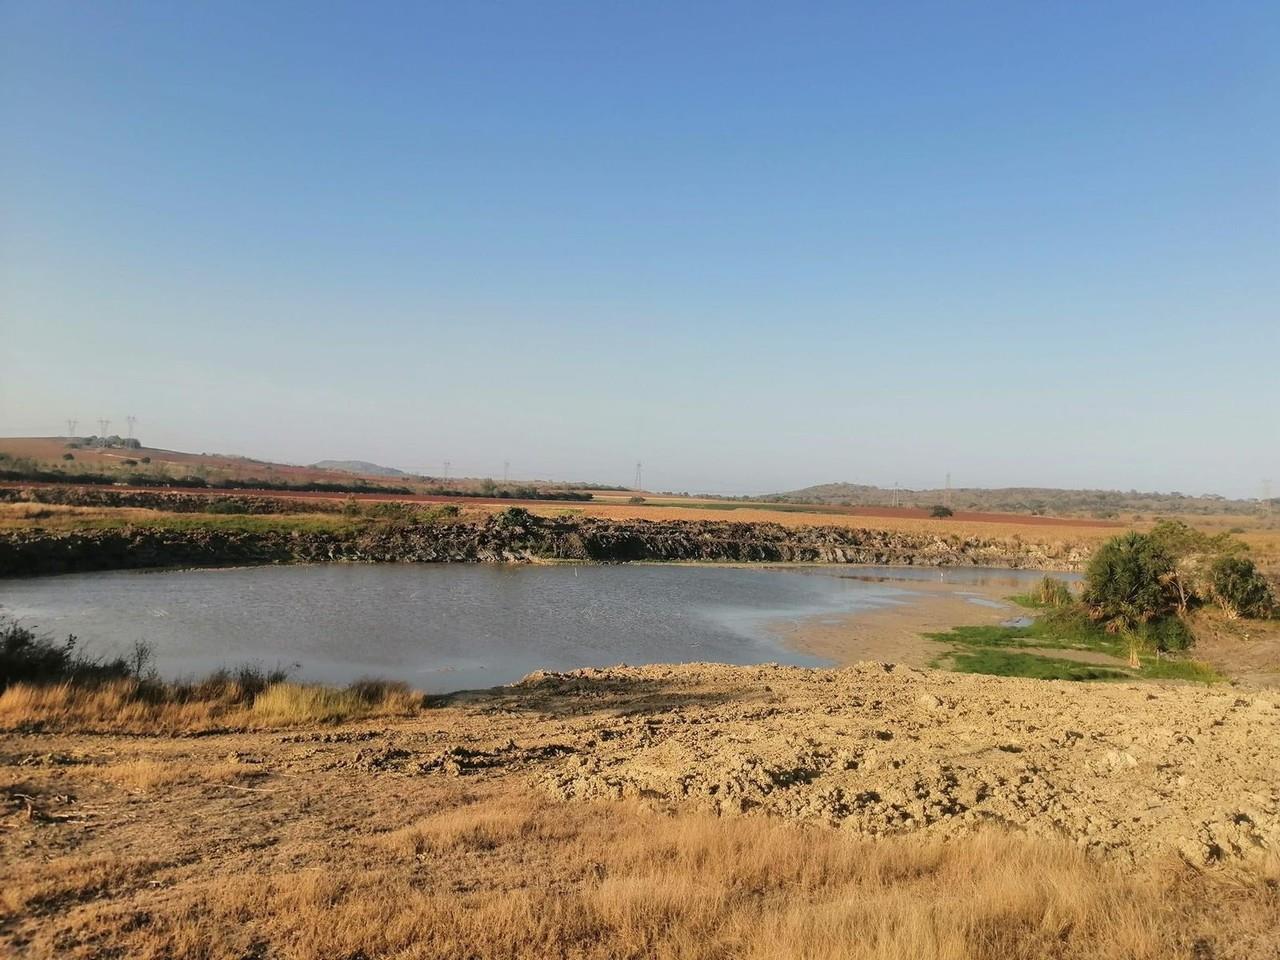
68, 456
940, 511
635, 500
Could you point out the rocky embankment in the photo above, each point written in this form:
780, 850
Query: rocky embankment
171, 501
498, 539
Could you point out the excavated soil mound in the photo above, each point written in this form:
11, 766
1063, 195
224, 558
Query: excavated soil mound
1124, 770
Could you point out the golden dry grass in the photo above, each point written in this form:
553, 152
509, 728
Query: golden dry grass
56, 516
129, 707
512, 877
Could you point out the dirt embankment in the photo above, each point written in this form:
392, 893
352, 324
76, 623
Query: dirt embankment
33, 552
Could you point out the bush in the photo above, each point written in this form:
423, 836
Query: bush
27, 657
1129, 582
515, 517
635, 500
940, 511
68, 456
1052, 592
1240, 589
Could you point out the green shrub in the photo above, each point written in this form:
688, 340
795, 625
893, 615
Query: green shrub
1129, 582
68, 456
1240, 589
515, 517
940, 511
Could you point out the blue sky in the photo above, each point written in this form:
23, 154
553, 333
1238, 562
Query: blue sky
752, 246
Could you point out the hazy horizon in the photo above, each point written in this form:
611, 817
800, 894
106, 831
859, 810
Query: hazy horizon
753, 248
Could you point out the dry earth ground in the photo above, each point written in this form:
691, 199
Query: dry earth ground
695, 812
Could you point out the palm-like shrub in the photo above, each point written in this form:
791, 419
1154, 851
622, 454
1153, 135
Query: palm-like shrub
1128, 582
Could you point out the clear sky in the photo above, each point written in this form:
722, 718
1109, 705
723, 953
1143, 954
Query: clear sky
754, 246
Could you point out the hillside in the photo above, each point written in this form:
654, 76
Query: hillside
361, 468
1033, 500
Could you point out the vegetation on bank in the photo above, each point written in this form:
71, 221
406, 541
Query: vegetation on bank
45, 684
1138, 592
1014, 651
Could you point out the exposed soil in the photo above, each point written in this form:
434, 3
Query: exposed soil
1123, 770
184, 846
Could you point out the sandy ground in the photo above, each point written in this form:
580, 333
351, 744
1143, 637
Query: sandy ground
176, 844
894, 632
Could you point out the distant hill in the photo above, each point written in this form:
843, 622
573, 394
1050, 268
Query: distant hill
362, 467
1034, 500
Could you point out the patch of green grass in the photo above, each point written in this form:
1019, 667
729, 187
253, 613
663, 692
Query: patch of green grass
1167, 668
1004, 663
997, 650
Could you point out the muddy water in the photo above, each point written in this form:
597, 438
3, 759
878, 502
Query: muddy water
447, 627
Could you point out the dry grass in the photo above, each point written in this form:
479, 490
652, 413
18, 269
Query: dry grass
128, 706
510, 877
56, 516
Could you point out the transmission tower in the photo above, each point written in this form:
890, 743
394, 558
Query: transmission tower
895, 493
638, 484
71, 429
103, 426
447, 465
132, 421
506, 470
947, 494
1266, 496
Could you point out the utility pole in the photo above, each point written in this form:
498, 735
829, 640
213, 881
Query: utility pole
71, 429
638, 484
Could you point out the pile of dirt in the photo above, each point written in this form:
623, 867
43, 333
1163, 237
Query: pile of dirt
1122, 770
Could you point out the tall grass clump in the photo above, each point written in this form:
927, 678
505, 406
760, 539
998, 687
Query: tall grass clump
44, 684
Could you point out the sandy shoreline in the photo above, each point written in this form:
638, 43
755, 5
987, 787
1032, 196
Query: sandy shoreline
894, 632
